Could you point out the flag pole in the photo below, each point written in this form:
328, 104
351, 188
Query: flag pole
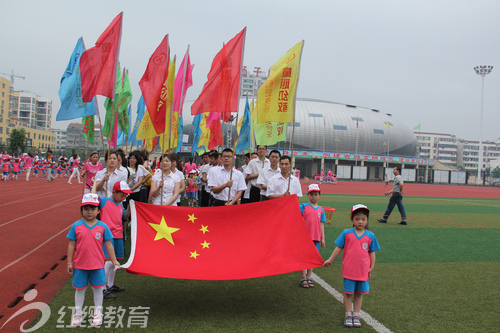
86, 152
171, 111
234, 157
294, 107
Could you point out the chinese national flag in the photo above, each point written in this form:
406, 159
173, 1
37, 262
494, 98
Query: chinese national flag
221, 92
220, 243
98, 64
154, 85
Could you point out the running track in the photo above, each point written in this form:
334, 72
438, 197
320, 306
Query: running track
36, 216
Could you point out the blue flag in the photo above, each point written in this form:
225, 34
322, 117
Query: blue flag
244, 134
141, 109
180, 136
70, 91
120, 138
197, 131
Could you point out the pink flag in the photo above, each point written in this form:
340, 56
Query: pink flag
183, 81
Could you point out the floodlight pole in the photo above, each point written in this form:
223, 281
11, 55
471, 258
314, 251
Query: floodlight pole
483, 71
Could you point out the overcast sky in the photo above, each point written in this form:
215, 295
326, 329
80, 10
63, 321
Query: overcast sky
413, 59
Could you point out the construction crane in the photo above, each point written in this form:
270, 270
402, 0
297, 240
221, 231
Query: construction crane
12, 76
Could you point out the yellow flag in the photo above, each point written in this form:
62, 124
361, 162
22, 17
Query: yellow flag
276, 97
146, 129
170, 100
149, 144
205, 131
387, 125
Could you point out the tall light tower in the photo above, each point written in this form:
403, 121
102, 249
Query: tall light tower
483, 71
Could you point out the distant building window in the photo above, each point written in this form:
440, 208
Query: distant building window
297, 124
1, 130
378, 131
317, 115
340, 127
357, 119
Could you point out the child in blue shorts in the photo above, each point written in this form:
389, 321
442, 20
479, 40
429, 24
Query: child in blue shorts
86, 258
359, 245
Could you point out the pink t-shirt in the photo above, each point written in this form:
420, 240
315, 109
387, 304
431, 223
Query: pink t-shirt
89, 241
29, 162
111, 214
313, 217
188, 167
356, 258
90, 171
76, 164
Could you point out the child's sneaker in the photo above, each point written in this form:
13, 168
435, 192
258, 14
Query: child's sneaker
356, 322
97, 320
348, 321
77, 320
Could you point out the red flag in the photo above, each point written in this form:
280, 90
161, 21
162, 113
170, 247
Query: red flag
98, 64
215, 134
251, 241
221, 92
153, 85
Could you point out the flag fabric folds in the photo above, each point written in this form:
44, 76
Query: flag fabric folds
98, 64
168, 136
276, 97
141, 108
221, 91
196, 244
183, 81
268, 133
154, 85
70, 94
416, 127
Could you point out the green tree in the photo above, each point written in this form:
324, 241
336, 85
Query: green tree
17, 140
496, 172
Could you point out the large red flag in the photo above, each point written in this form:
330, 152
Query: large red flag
221, 92
220, 243
153, 85
98, 64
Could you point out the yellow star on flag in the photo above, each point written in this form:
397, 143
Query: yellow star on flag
192, 218
193, 254
205, 245
163, 231
204, 228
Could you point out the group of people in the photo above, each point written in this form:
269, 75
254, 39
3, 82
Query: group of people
95, 244
330, 177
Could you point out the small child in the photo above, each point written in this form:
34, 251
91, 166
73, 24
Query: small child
359, 245
192, 188
35, 168
314, 218
86, 259
113, 214
16, 169
59, 170
5, 169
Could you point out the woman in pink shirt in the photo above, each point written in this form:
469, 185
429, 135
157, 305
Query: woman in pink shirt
76, 169
188, 167
90, 169
28, 165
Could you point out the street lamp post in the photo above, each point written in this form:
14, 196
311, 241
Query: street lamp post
483, 71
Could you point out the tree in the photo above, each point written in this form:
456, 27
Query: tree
17, 140
496, 172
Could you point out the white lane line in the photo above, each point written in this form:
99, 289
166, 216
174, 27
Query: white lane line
62, 203
36, 248
41, 195
378, 326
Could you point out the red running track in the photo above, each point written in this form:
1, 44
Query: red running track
35, 217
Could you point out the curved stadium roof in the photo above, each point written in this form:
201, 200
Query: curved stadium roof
336, 126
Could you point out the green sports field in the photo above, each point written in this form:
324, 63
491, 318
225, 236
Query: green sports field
440, 273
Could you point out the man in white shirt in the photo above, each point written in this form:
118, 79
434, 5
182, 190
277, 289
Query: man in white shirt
226, 182
253, 170
213, 157
268, 173
278, 185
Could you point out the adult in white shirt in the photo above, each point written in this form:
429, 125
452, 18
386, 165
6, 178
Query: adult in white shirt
278, 185
252, 172
226, 182
136, 175
107, 177
268, 173
213, 157
165, 186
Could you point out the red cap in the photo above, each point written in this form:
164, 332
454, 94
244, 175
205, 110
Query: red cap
122, 187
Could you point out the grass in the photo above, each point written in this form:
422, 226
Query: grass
438, 274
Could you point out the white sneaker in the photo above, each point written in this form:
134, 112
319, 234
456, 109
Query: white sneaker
77, 320
97, 320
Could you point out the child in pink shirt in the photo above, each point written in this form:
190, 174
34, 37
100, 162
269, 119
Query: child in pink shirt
86, 258
314, 219
192, 188
359, 246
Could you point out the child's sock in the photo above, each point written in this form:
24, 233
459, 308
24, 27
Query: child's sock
348, 314
79, 298
355, 314
98, 296
109, 271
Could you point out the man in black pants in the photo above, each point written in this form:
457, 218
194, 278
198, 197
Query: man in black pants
255, 167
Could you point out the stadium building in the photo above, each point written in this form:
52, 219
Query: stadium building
354, 142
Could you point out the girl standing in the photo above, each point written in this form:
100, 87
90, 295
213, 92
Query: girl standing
76, 169
136, 175
359, 245
176, 164
192, 188
165, 185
